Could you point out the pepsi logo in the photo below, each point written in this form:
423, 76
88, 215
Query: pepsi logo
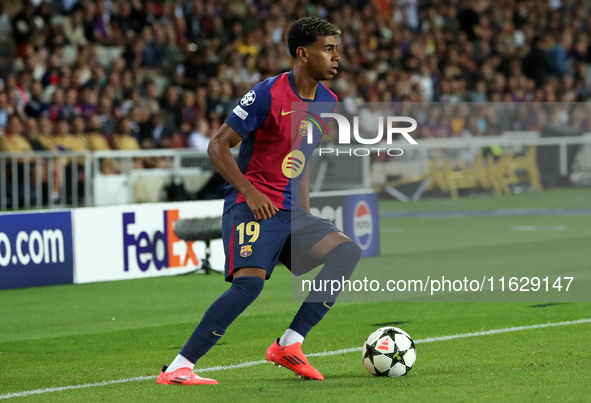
362, 225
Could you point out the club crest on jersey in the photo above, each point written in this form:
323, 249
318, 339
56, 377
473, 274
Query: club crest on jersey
246, 251
304, 127
307, 125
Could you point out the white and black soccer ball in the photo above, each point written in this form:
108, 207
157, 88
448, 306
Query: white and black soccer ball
389, 351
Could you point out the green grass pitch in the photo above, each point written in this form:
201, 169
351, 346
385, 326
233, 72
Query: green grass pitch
63, 336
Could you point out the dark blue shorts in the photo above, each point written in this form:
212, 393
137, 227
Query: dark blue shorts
287, 237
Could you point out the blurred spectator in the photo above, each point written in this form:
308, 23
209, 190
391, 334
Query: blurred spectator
199, 138
479, 93
134, 54
70, 135
95, 139
171, 107
72, 140
45, 142
149, 101
50, 77
138, 122
24, 26
45, 135
189, 109
102, 30
105, 115
71, 102
34, 107
130, 18
56, 109
154, 51
557, 55
535, 64
123, 139
12, 140
4, 113
73, 27
154, 132
87, 105
32, 134
5, 31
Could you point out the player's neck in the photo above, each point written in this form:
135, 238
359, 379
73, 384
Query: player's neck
305, 84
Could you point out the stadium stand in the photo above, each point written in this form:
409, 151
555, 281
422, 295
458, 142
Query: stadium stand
169, 72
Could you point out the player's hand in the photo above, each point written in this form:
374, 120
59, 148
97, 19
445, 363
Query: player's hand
261, 205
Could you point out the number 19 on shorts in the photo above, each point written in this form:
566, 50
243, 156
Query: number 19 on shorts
251, 229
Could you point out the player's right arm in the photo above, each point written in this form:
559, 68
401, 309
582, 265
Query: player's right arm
250, 113
221, 156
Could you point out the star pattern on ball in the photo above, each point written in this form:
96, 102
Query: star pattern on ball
371, 352
389, 352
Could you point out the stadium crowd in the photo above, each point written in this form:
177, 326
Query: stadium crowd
144, 74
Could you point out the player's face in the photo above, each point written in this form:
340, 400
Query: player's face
323, 58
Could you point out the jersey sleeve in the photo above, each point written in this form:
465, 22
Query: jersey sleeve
251, 112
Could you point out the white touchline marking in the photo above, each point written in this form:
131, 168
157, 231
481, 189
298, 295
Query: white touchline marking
323, 354
538, 227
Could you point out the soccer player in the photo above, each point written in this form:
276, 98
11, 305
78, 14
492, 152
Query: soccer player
266, 212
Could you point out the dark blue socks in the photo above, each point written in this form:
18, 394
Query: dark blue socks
221, 314
339, 263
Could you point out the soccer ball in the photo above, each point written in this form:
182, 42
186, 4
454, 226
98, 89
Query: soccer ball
389, 351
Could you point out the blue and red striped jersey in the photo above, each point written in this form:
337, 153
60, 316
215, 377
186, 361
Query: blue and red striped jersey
274, 123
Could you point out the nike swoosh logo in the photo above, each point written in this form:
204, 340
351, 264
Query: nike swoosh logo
283, 113
326, 305
217, 334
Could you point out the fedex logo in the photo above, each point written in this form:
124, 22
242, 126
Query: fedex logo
162, 248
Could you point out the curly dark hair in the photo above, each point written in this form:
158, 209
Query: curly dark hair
306, 30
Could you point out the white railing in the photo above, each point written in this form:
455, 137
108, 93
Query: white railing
44, 179
193, 168
507, 139
47, 179
415, 158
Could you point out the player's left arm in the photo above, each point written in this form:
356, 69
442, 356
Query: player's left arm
304, 190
